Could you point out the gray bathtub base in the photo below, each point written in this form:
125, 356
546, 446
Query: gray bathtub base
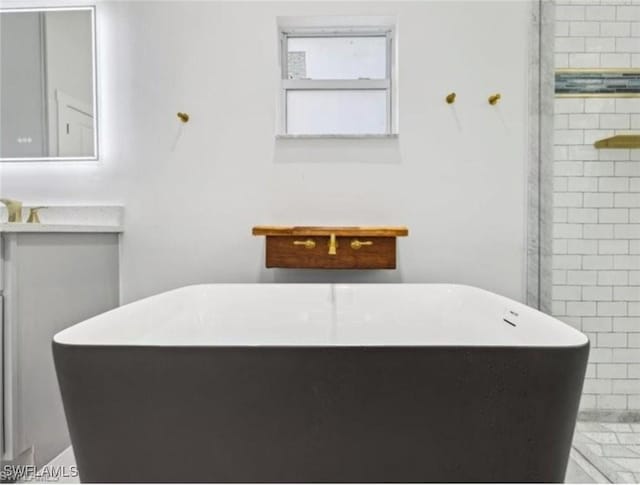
320, 414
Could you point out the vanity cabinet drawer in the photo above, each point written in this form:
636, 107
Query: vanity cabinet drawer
313, 252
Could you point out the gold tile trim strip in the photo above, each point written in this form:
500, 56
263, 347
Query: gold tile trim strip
621, 70
598, 95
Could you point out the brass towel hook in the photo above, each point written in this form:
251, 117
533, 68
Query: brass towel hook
451, 98
494, 98
184, 117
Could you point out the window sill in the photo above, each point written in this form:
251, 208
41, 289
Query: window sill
338, 137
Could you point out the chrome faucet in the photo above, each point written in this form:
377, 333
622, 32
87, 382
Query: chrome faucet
14, 208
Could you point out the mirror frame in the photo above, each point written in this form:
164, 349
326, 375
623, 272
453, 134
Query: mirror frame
96, 155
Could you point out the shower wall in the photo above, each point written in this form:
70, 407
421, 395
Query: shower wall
596, 246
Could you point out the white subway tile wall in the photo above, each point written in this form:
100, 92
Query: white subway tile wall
596, 247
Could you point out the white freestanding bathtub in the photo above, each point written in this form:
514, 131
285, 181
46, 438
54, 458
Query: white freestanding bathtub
321, 383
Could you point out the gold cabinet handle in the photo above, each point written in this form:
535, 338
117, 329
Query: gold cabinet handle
356, 244
308, 244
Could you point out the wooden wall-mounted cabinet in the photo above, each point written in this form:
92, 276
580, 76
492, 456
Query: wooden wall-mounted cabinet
330, 247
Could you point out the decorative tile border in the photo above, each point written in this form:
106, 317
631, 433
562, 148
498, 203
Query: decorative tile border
597, 83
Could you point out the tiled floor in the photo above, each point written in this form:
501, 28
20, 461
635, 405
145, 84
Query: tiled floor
601, 453
605, 453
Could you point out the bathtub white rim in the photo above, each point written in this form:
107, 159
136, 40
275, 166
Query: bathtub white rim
583, 339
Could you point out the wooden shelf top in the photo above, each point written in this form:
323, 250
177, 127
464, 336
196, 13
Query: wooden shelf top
349, 231
619, 141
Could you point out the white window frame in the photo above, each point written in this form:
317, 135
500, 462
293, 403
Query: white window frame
337, 84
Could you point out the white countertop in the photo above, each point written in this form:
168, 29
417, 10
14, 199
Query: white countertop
24, 227
67, 219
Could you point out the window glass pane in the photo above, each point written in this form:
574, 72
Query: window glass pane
336, 57
343, 112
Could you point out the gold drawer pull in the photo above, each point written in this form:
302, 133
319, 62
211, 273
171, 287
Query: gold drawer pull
355, 244
308, 244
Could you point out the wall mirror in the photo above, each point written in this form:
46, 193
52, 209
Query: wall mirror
48, 84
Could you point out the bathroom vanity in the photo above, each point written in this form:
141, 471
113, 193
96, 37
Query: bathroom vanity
52, 275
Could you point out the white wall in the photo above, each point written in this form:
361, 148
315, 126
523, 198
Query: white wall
455, 176
596, 252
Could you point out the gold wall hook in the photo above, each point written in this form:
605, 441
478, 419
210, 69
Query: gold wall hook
494, 98
451, 98
184, 117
